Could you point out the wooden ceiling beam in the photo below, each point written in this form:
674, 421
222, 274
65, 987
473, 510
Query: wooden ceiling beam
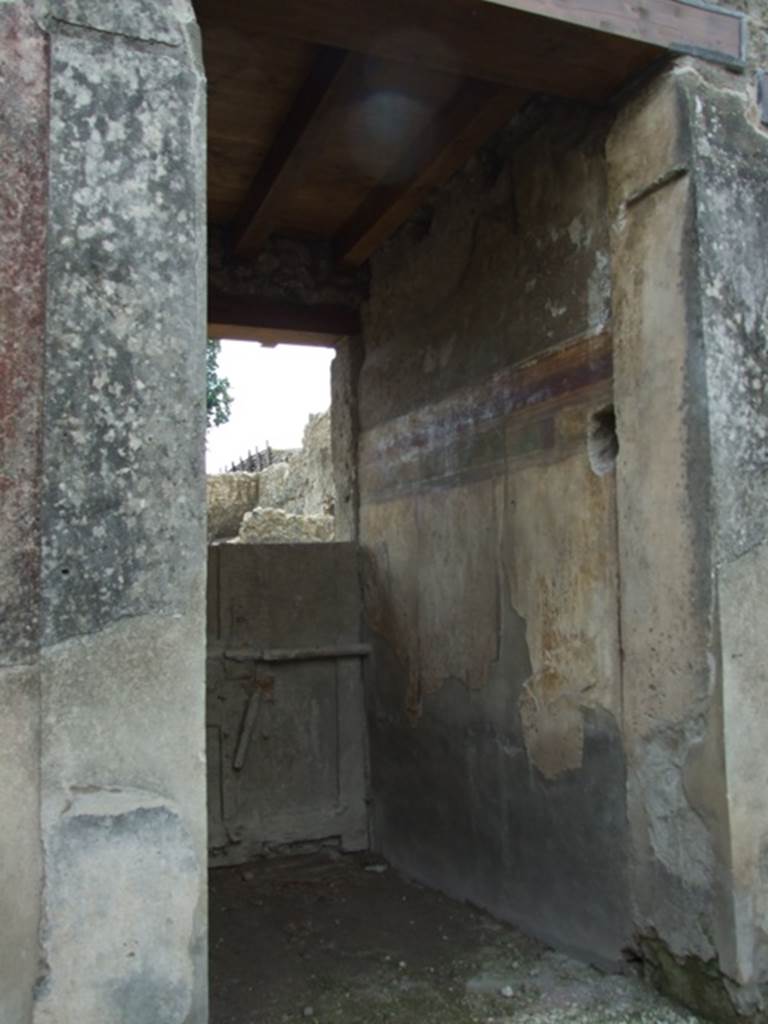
683, 26
467, 38
251, 318
458, 129
279, 170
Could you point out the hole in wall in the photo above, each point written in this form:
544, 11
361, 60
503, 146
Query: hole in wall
602, 441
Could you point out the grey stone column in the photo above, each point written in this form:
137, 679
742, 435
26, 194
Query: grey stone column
687, 168
118, 422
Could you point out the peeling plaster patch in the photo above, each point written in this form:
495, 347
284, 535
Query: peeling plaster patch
563, 583
554, 733
679, 838
550, 706
694, 981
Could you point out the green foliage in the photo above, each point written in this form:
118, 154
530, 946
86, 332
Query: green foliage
219, 400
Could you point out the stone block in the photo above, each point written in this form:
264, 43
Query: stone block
275, 526
230, 496
122, 887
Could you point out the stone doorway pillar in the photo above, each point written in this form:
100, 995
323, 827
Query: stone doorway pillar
689, 190
102, 561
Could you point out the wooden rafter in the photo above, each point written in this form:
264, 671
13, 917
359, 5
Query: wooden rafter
502, 40
251, 318
463, 124
683, 26
467, 38
281, 166
488, 56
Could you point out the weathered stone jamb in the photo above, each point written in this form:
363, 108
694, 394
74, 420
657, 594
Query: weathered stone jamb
727, 380
345, 432
701, 953
666, 684
730, 155
122, 673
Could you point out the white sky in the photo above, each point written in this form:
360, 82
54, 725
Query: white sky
273, 390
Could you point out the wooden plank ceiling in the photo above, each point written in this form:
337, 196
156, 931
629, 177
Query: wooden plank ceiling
332, 119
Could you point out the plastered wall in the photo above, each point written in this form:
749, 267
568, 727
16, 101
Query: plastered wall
491, 583
565, 703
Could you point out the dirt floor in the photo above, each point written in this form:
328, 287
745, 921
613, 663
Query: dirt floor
334, 939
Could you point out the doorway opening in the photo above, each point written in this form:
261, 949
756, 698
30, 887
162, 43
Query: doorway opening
434, 698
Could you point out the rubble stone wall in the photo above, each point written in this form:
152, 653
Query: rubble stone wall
291, 500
